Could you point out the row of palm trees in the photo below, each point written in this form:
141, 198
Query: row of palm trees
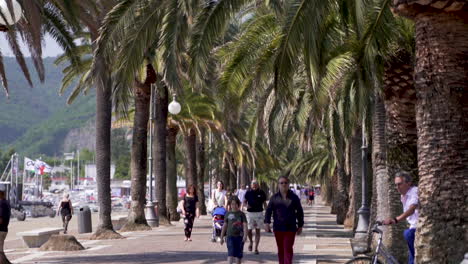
283, 87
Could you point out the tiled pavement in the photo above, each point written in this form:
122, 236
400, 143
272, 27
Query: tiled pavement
322, 242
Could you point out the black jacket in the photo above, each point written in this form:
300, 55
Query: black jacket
287, 214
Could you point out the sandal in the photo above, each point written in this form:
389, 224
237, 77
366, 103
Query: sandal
256, 252
250, 247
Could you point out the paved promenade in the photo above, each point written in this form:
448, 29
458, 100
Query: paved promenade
322, 242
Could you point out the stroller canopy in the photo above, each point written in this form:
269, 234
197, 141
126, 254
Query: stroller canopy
219, 211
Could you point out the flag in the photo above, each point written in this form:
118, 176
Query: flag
29, 164
41, 167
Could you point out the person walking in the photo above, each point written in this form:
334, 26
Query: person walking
288, 220
66, 210
235, 229
219, 195
410, 200
255, 202
190, 210
5, 213
241, 195
311, 197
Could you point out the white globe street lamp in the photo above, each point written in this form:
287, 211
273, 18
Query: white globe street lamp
10, 18
174, 106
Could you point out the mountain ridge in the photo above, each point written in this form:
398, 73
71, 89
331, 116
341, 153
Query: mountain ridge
36, 120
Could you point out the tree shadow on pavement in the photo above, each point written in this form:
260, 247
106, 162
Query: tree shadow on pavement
202, 257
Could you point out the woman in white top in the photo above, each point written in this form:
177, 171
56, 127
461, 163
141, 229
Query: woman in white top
219, 195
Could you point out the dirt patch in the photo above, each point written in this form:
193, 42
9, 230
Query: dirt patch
62, 243
103, 234
135, 227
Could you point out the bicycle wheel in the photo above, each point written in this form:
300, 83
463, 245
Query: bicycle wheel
362, 260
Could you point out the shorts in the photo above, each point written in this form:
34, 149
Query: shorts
255, 220
235, 246
311, 197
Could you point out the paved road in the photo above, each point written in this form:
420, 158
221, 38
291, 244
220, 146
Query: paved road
322, 242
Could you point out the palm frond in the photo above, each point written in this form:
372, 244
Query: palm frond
210, 26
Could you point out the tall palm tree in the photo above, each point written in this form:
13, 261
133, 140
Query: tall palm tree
161, 112
91, 15
171, 177
142, 94
441, 83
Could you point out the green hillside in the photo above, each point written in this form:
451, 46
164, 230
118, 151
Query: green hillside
36, 119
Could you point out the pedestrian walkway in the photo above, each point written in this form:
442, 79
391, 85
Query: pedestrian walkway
322, 242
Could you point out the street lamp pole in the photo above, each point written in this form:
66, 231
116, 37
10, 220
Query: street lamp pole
150, 213
360, 238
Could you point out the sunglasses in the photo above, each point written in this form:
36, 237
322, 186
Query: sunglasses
283, 182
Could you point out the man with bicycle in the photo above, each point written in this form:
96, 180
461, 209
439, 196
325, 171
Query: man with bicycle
410, 201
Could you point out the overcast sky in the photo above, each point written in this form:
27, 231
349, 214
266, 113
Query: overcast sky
51, 48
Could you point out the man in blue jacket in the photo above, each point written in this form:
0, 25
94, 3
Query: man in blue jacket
288, 219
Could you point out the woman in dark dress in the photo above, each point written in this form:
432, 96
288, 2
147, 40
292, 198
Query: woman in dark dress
66, 210
190, 210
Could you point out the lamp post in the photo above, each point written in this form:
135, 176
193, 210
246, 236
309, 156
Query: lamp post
360, 238
174, 108
150, 213
9, 14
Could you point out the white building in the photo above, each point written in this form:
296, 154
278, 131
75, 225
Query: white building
90, 171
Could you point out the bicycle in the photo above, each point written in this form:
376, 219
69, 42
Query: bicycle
380, 251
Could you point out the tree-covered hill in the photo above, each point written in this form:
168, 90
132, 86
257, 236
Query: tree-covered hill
36, 119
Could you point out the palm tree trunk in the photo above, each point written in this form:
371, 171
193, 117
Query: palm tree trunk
400, 129
142, 94
226, 172
442, 120
201, 164
355, 190
379, 205
190, 157
441, 83
103, 154
136, 216
161, 111
171, 187
244, 180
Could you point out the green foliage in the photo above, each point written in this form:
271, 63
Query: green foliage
36, 120
120, 153
4, 158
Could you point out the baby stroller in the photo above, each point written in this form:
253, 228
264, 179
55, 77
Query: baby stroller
218, 222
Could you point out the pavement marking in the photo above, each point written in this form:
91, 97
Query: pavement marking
89, 242
29, 257
310, 247
98, 247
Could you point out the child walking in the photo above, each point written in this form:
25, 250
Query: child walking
235, 229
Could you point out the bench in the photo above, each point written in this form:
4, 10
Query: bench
36, 238
118, 221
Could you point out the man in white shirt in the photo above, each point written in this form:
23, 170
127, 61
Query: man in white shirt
410, 201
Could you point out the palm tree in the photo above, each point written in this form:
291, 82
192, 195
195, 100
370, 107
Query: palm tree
161, 112
171, 177
441, 82
40, 18
91, 14
142, 93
